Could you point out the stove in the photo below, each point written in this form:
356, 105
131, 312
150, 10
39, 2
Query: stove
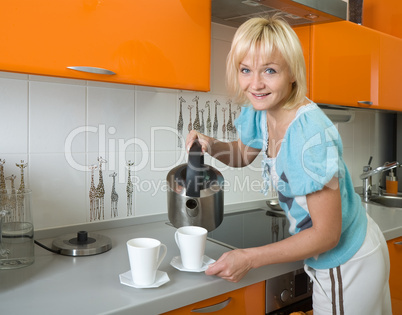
251, 228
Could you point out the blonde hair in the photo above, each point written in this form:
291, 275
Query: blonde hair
263, 36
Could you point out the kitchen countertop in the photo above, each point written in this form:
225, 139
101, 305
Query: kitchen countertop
90, 285
388, 219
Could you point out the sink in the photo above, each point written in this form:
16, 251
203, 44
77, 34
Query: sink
388, 200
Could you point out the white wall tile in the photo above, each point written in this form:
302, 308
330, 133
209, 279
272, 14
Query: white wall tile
220, 50
13, 116
58, 191
111, 113
56, 112
362, 129
150, 183
253, 181
346, 133
234, 177
155, 120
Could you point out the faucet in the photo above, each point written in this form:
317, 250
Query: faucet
368, 172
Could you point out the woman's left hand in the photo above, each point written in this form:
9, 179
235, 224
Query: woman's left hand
231, 266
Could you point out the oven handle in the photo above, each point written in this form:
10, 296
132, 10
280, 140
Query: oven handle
212, 308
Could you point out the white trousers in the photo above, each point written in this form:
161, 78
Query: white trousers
360, 286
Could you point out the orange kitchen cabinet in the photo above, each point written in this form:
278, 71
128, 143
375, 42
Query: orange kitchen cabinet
304, 34
344, 64
163, 44
383, 16
395, 278
389, 74
246, 301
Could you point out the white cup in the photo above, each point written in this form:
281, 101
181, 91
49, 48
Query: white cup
191, 242
145, 257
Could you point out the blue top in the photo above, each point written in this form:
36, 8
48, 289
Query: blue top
309, 157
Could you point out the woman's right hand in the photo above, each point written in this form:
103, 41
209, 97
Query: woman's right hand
203, 139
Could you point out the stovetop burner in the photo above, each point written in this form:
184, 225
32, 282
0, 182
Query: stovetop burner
251, 228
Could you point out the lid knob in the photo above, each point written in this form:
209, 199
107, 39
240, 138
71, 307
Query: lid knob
82, 237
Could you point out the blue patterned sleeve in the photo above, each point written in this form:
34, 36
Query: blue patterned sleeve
311, 154
249, 127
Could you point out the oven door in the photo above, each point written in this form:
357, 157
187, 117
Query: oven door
289, 293
301, 306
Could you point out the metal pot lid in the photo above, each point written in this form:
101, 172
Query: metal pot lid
82, 244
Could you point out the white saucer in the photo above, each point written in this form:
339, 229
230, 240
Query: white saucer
160, 279
206, 261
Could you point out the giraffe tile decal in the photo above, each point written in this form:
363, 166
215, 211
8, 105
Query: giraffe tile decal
221, 126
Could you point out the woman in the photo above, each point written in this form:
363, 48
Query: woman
344, 251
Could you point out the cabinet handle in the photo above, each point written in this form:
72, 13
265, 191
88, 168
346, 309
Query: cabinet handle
398, 243
212, 308
365, 102
92, 70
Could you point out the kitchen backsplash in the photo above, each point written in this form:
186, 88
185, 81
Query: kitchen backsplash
60, 127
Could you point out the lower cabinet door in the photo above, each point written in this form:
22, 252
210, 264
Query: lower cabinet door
395, 278
246, 301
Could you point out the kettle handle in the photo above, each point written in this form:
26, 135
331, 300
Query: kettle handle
195, 170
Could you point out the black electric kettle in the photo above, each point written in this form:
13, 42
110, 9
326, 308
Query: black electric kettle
195, 193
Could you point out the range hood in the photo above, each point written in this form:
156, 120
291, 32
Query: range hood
296, 12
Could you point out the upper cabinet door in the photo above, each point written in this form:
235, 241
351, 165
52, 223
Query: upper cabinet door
345, 65
163, 43
383, 16
390, 70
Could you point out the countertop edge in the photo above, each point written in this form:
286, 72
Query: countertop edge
208, 290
